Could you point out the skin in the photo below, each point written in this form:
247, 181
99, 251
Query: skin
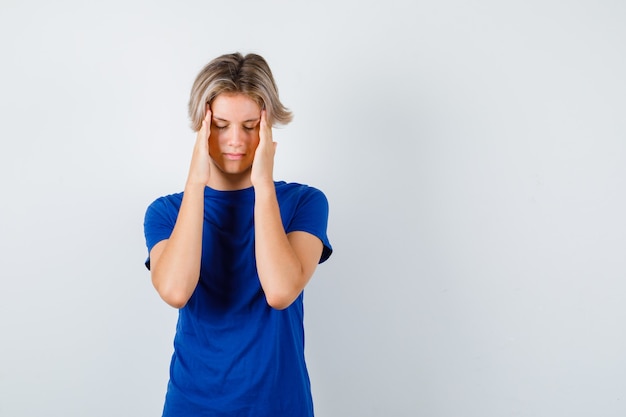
234, 150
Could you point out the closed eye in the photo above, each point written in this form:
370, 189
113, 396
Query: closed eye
251, 126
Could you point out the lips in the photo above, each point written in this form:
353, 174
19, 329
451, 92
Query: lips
234, 156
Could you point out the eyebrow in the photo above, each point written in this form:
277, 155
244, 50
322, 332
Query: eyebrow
228, 121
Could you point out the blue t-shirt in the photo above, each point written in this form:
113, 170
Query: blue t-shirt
234, 355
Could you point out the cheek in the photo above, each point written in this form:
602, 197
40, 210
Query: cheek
255, 138
218, 136
214, 143
214, 134
254, 143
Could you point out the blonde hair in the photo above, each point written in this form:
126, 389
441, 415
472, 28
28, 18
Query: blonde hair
235, 73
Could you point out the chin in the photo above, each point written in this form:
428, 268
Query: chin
238, 170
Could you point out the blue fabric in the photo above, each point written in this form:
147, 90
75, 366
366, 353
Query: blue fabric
233, 354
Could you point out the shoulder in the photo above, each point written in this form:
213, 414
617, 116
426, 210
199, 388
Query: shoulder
294, 190
175, 198
301, 199
166, 204
305, 208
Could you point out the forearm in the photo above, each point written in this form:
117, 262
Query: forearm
176, 272
278, 266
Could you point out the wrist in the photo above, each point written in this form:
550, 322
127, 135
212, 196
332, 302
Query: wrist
194, 186
264, 188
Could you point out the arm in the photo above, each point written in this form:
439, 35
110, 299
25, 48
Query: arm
285, 263
175, 262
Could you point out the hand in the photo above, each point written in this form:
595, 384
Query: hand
200, 169
263, 164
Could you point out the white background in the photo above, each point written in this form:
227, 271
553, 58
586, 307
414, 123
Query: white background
472, 153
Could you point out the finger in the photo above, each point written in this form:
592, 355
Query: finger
205, 129
266, 130
263, 124
208, 117
202, 138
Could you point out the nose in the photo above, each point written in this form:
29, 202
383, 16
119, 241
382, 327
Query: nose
235, 138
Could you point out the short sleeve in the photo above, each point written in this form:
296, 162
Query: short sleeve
158, 223
311, 216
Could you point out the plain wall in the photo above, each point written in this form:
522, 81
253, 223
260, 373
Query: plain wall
473, 154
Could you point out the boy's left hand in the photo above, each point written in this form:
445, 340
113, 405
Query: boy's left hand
263, 164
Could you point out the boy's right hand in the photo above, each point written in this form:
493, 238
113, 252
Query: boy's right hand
200, 169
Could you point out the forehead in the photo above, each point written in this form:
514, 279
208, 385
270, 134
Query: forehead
235, 107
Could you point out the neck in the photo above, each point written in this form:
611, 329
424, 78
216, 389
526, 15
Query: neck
230, 182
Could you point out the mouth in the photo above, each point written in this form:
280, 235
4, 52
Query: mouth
234, 156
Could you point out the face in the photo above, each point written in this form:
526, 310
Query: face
234, 135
